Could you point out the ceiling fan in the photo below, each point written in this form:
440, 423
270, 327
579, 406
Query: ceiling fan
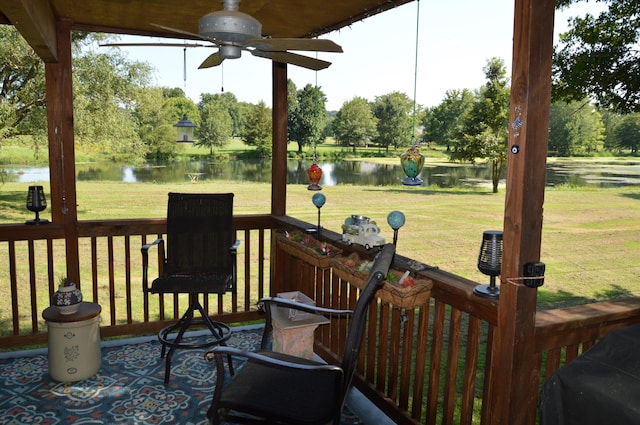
232, 31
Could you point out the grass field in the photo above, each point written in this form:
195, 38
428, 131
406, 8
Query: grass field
590, 241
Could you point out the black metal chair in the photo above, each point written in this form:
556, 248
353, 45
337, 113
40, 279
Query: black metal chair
277, 388
200, 258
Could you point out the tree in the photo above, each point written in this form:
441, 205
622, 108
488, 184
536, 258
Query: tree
258, 130
483, 133
105, 87
307, 118
394, 119
443, 121
215, 126
599, 57
22, 86
154, 129
575, 128
628, 132
355, 124
229, 102
175, 108
587, 131
105, 91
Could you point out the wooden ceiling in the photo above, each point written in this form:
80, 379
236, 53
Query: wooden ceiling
35, 19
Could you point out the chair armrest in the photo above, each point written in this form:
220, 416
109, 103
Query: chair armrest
221, 350
145, 261
283, 302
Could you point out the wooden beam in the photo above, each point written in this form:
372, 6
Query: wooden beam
62, 171
513, 398
279, 140
37, 23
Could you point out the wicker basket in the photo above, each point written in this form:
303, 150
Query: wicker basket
306, 253
392, 293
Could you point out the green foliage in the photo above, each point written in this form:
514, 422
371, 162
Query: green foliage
215, 126
355, 124
441, 123
258, 130
229, 102
22, 86
628, 132
306, 116
394, 120
599, 57
575, 129
175, 108
104, 97
483, 133
154, 128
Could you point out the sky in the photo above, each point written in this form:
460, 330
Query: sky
455, 38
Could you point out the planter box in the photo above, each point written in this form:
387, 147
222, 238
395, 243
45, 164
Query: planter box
390, 292
307, 253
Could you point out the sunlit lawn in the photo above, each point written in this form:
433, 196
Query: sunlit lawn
590, 241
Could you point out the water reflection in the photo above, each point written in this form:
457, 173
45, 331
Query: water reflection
343, 172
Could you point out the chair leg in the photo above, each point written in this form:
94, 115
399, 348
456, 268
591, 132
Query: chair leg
183, 324
219, 331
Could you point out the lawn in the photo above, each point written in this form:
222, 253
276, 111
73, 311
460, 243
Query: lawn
590, 240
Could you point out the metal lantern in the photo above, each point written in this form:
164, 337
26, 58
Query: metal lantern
490, 263
185, 130
36, 202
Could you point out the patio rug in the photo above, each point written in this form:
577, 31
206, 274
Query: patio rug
128, 389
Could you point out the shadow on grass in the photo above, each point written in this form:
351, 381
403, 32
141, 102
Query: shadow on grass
426, 191
635, 196
563, 299
12, 204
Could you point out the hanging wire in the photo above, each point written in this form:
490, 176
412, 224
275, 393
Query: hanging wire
415, 73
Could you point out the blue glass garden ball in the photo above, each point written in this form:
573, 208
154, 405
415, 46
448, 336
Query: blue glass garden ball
396, 219
318, 199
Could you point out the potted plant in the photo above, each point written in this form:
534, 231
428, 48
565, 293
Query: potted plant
67, 298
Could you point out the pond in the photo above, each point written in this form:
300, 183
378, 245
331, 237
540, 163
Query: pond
575, 173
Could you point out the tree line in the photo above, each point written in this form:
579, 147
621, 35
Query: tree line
119, 113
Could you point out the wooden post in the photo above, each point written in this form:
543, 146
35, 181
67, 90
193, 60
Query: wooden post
279, 140
62, 171
513, 375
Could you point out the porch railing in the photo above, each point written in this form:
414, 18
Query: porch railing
430, 363
427, 363
111, 267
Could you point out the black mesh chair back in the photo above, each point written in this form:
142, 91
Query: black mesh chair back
199, 234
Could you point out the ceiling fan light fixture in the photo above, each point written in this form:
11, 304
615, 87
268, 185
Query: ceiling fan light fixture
229, 52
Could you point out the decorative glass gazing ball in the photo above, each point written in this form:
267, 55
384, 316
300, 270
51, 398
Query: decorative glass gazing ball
318, 199
396, 219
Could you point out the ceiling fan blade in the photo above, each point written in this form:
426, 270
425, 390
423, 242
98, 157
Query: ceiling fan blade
154, 44
293, 59
284, 44
191, 34
212, 60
